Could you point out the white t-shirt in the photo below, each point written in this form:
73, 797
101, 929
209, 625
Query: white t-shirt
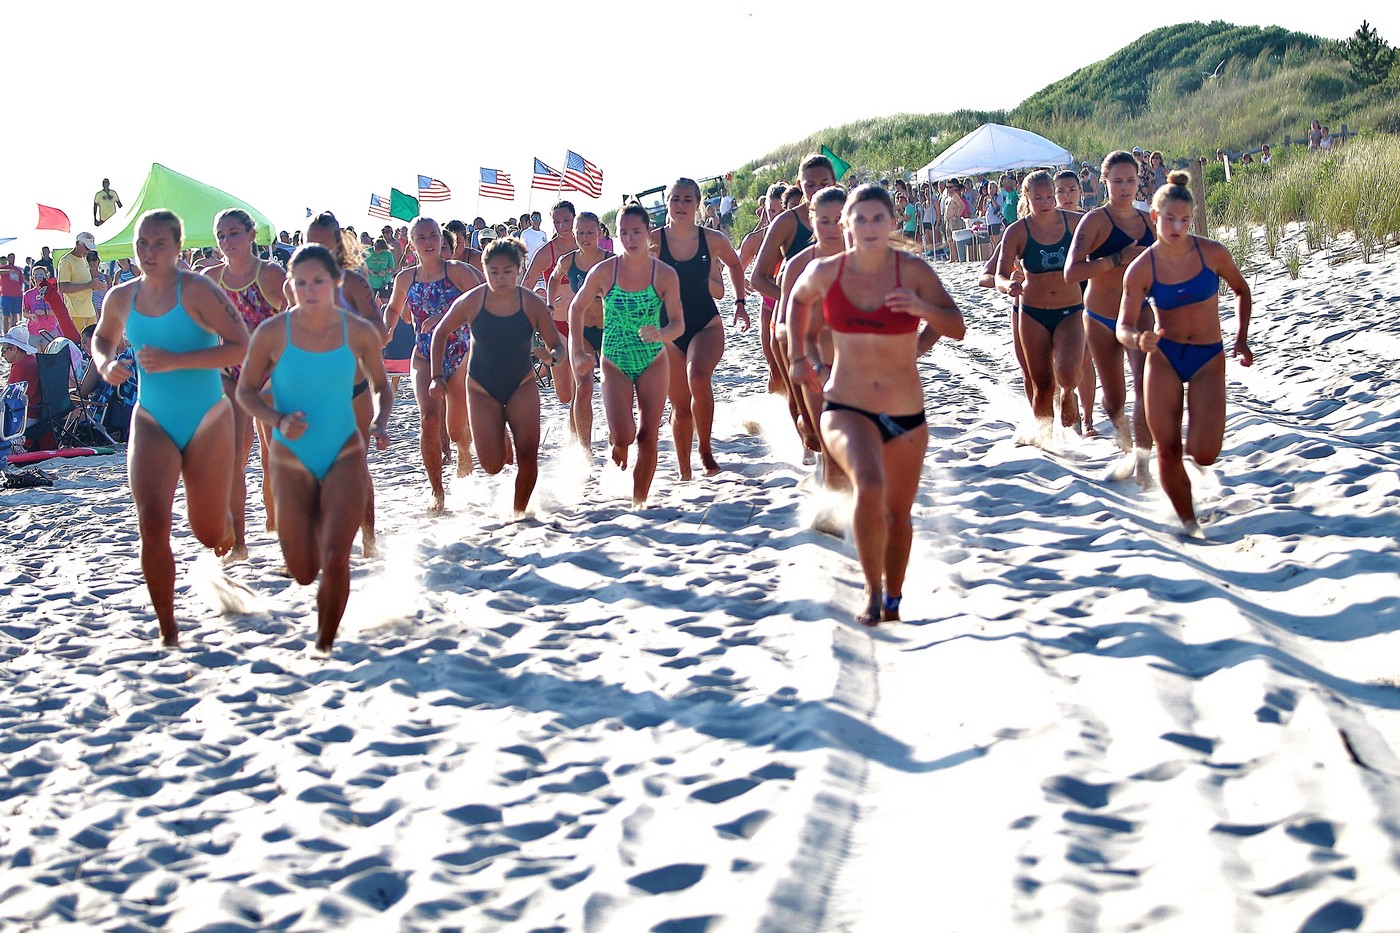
533, 240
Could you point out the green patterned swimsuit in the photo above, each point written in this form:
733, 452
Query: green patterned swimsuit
624, 314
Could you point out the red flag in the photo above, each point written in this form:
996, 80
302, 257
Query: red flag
51, 218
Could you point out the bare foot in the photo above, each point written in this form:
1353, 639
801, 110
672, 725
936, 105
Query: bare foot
464, 464
436, 504
235, 554
710, 464
226, 543
369, 545
1123, 432
170, 641
1191, 529
619, 455
870, 616
1090, 430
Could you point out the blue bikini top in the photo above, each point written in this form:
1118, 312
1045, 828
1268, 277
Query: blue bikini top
1198, 288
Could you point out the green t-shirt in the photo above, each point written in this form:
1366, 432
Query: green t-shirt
1009, 200
379, 265
911, 218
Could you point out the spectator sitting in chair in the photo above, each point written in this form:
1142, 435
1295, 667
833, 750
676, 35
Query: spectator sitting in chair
19, 354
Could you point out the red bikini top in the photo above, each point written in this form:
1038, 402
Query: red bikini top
845, 318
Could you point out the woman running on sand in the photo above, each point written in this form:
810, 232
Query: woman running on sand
184, 330
1180, 275
566, 280
422, 294
1053, 353
503, 317
692, 250
462, 244
255, 287
873, 421
804, 400
314, 354
355, 295
771, 207
1105, 243
1068, 193
789, 234
542, 266
634, 289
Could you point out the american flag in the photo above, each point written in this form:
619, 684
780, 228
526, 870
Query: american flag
546, 178
496, 184
583, 175
430, 189
379, 206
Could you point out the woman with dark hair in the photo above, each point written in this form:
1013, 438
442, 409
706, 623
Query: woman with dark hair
1180, 275
254, 286
873, 298
564, 284
503, 317
354, 294
692, 251
1049, 329
634, 289
183, 329
421, 296
1105, 243
804, 400
542, 266
461, 239
312, 357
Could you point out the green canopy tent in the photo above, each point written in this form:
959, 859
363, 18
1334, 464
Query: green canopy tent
196, 203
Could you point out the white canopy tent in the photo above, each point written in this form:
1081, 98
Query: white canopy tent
994, 148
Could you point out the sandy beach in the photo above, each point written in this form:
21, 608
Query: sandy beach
663, 719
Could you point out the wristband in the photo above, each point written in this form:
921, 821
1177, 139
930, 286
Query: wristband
741, 301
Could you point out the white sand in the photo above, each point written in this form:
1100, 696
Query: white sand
661, 720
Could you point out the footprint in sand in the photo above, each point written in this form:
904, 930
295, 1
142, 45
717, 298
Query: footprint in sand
668, 879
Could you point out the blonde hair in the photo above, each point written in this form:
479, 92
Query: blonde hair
1177, 188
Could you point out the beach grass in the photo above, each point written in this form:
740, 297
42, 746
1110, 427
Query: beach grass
1354, 190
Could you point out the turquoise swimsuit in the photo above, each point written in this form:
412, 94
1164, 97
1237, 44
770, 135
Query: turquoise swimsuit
177, 399
318, 384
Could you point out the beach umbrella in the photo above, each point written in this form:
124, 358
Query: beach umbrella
995, 148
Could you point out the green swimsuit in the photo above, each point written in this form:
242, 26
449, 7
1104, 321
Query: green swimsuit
624, 314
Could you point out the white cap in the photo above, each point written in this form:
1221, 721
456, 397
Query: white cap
18, 336
87, 240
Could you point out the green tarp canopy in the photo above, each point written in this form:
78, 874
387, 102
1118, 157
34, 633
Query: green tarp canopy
195, 202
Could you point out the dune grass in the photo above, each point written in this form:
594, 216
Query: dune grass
1355, 189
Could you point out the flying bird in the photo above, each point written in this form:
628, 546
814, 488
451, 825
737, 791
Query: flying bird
1215, 73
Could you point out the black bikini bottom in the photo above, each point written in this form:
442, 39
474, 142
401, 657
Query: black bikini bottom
891, 426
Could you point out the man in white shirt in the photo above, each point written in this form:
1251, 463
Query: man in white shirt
726, 213
533, 237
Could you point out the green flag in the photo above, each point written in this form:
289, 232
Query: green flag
839, 166
402, 206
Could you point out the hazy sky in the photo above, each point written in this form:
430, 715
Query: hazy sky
316, 104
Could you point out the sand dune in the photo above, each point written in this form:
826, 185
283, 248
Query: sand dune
661, 719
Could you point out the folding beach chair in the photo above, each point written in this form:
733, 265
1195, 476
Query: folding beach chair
12, 415
69, 419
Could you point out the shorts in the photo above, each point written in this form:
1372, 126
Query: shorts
11, 304
994, 229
